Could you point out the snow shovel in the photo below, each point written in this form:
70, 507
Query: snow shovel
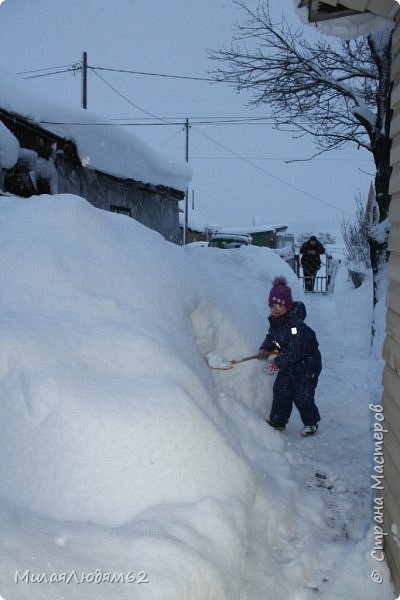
215, 362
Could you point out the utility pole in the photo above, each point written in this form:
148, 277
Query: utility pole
185, 228
84, 79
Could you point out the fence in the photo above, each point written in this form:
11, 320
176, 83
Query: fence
323, 281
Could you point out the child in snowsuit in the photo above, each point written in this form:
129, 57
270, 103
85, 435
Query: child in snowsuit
298, 362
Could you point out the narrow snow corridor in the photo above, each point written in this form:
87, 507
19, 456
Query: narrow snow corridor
335, 464
137, 458
307, 546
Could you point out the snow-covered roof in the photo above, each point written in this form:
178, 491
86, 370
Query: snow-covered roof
247, 230
378, 17
101, 145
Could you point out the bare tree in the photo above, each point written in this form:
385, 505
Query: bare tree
337, 92
355, 235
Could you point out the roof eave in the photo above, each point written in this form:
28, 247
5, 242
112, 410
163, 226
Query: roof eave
319, 11
323, 10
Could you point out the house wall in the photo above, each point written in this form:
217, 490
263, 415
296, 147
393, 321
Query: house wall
154, 207
391, 352
194, 236
389, 489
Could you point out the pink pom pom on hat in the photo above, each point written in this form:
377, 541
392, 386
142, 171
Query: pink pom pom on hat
280, 293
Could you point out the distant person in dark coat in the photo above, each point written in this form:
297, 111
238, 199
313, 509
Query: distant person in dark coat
298, 362
311, 251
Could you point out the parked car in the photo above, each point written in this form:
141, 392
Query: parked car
229, 240
275, 237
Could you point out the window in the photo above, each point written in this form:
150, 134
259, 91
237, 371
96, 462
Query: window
120, 209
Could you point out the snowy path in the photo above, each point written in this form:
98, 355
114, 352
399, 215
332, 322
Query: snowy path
314, 554
332, 462
335, 464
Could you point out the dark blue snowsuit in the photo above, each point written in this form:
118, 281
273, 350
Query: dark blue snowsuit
299, 364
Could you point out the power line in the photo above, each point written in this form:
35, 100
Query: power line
297, 189
105, 124
45, 69
52, 73
127, 99
171, 137
206, 121
78, 66
277, 158
149, 74
160, 120
231, 117
145, 124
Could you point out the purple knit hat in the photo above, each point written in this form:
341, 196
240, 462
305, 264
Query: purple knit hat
280, 293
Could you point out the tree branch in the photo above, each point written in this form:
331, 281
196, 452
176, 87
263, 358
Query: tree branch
331, 92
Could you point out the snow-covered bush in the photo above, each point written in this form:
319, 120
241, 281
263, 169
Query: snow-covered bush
355, 235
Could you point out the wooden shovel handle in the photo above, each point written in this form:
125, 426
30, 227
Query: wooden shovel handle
240, 360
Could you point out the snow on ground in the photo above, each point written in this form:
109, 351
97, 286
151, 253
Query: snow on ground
125, 456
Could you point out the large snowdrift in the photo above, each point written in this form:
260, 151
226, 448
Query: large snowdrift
108, 412
122, 452
101, 372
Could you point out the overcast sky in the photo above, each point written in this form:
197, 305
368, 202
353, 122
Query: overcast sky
240, 177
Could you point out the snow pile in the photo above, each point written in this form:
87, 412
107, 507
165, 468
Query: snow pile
110, 149
108, 412
124, 453
101, 371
